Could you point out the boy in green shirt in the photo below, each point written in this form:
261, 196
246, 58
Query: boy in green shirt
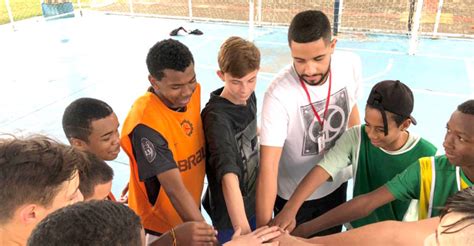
453, 227
431, 180
377, 151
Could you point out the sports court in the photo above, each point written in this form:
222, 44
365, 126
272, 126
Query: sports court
44, 65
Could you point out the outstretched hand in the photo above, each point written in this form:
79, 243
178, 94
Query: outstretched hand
261, 236
285, 220
195, 233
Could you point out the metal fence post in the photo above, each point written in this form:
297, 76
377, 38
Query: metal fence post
80, 7
259, 13
190, 7
416, 26
251, 20
438, 17
10, 15
335, 27
130, 4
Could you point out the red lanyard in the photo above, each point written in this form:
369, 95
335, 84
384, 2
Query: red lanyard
303, 84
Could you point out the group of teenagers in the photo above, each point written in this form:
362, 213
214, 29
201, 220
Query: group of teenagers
280, 182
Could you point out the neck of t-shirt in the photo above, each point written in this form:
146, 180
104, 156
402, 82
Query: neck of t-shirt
179, 109
401, 144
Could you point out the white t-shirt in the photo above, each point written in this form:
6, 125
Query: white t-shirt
288, 121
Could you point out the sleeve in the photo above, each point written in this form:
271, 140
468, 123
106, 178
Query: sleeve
151, 151
341, 155
274, 122
221, 146
406, 185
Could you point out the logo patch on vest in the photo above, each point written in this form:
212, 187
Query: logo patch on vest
148, 149
187, 127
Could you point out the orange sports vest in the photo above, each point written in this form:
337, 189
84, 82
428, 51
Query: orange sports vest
185, 136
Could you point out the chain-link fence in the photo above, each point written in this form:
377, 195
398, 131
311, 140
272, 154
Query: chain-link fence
437, 17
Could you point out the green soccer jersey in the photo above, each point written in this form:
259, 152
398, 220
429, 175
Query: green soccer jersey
431, 180
373, 167
376, 167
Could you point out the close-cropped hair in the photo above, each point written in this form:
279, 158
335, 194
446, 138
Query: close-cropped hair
33, 170
78, 116
467, 107
93, 223
168, 54
238, 57
462, 202
95, 173
309, 26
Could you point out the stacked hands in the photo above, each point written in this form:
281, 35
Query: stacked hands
204, 234
286, 220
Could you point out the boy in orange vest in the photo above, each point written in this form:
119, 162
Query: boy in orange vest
163, 138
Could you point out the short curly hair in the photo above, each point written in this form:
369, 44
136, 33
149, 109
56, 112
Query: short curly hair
93, 223
168, 54
467, 107
78, 117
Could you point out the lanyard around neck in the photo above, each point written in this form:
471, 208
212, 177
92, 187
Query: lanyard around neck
303, 84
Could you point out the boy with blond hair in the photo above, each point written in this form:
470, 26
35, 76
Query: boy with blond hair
230, 126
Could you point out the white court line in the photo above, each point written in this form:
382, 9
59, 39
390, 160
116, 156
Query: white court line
380, 74
430, 92
448, 94
384, 52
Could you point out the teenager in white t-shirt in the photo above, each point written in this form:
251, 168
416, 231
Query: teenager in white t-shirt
305, 110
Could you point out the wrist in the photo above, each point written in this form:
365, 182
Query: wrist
305, 230
262, 220
291, 207
246, 229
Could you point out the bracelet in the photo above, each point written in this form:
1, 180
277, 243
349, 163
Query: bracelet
173, 235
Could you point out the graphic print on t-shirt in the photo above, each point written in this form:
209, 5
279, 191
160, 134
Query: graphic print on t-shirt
334, 123
248, 146
148, 149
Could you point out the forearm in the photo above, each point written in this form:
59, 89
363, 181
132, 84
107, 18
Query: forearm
361, 237
234, 202
307, 186
352, 210
356, 208
185, 205
179, 196
267, 183
383, 233
265, 198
